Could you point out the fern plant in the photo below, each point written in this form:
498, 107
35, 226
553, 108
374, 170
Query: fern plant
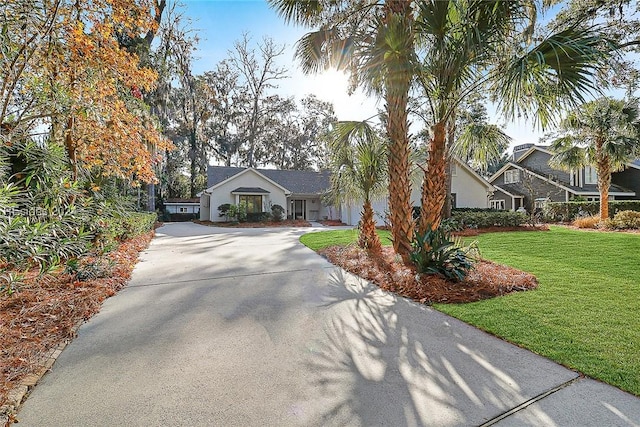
436, 252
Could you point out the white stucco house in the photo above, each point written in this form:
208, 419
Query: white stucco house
298, 192
468, 190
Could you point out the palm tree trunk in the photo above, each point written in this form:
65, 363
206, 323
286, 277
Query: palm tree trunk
446, 209
603, 168
451, 134
434, 185
368, 238
397, 82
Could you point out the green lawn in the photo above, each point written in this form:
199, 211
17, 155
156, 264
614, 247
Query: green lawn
585, 314
323, 239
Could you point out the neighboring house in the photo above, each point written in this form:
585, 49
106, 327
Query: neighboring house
468, 190
298, 192
529, 176
182, 206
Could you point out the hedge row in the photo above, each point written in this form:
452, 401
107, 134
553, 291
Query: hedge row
569, 211
484, 219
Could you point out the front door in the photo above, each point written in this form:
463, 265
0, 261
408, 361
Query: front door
299, 209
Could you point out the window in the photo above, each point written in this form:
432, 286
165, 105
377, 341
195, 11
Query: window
590, 175
497, 204
454, 200
512, 176
593, 199
252, 203
182, 210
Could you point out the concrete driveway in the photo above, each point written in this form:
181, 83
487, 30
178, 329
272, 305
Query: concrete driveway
230, 327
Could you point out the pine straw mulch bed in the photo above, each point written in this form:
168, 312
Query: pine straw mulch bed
46, 311
263, 224
486, 280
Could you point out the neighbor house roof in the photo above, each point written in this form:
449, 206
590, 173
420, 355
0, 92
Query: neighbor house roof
586, 190
510, 190
298, 182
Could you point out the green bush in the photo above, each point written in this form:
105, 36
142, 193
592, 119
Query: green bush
569, 211
47, 217
223, 210
258, 216
237, 212
474, 210
435, 252
484, 219
113, 228
277, 213
624, 220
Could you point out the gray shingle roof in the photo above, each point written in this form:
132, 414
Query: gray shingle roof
298, 182
586, 188
250, 190
636, 162
512, 189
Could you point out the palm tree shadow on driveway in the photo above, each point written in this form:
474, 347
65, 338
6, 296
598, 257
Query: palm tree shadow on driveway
389, 361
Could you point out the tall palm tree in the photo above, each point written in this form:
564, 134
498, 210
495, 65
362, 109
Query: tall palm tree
464, 46
373, 40
359, 172
487, 44
605, 134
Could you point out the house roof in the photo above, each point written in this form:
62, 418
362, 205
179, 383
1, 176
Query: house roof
585, 190
297, 182
635, 164
250, 190
510, 190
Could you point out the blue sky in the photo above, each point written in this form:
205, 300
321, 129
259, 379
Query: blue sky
221, 22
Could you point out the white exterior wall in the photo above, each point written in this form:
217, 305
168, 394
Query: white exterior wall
222, 194
175, 208
470, 192
205, 203
351, 211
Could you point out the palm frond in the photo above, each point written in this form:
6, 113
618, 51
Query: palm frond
568, 154
296, 11
481, 144
557, 73
358, 161
319, 50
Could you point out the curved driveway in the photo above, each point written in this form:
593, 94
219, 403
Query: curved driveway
231, 327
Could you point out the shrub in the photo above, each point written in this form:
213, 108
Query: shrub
223, 209
114, 227
587, 222
258, 216
624, 220
435, 252
277, 213
484, 219
474, 210
237, 212
568, 211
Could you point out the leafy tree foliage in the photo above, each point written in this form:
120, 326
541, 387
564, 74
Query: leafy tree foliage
65, 69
